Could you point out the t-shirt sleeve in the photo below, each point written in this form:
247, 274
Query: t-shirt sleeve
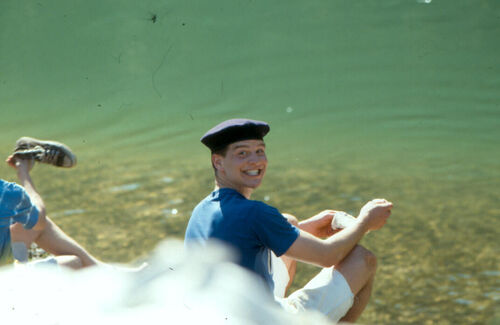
17, 206
273, 230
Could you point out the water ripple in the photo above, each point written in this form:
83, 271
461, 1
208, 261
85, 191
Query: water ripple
125, 188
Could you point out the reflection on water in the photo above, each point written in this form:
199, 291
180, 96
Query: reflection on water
381, 99
126, 187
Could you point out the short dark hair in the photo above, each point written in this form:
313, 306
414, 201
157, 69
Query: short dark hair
222, 151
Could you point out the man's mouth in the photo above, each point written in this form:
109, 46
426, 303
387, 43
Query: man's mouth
252, 172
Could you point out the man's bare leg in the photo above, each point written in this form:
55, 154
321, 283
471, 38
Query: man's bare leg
71, 261
360, 301
54, 241
290, 263
358, 268
291, 266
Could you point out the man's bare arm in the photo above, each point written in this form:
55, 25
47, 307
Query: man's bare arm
331, 251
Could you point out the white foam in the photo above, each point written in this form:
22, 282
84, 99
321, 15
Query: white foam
200, 286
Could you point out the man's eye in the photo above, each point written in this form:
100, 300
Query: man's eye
242, 153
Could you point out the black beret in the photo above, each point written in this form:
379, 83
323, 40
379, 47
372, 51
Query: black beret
234, 130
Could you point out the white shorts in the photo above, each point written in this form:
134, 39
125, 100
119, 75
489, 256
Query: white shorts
328, 293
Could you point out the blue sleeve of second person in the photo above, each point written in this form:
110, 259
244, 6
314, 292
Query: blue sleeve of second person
16, 206
273, 230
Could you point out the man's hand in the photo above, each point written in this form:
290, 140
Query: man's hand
332, 251
22, 165
319, 225
374, 214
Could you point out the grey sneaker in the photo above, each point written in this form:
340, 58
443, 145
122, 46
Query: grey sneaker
47, 152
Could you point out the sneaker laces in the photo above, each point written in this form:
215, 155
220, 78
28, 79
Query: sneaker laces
41, 154
48, 156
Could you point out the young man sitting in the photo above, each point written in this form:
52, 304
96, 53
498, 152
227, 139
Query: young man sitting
342, 289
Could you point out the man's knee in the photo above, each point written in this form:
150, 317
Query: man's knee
291, 219
71, 261
369, 259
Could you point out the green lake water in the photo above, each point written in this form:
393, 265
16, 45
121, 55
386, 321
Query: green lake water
366, 99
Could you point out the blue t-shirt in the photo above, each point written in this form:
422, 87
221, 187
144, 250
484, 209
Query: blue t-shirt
15, 206
252, 227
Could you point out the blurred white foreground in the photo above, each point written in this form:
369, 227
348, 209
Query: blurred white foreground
199, 287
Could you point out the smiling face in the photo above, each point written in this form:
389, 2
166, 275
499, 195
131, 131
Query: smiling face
242, 167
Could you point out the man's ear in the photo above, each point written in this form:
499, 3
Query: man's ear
217, 162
